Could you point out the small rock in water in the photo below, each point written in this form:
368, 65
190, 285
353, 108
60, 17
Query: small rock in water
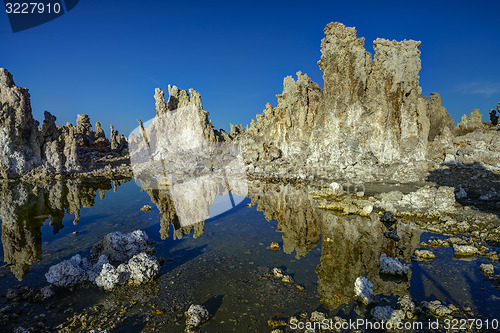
392, 266
75, 232
287, 279
196, 315
317, 316
487, 269
278, 273
146, 208
424, 255
437, 308
68, 272
274, 246
407, 305
363, 291
464, 250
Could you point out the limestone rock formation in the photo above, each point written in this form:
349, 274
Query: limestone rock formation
470, 123
368, 122
178, 99
439, 118
19, 135
27, 150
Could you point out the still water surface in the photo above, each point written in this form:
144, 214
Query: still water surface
223, 262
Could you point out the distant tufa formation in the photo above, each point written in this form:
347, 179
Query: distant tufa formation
27, 150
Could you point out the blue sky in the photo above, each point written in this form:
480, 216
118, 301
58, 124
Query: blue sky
105, 58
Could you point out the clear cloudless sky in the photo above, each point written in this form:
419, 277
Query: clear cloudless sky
105, 57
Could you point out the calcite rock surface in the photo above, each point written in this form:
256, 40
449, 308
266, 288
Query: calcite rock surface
471, 122
119, 247
428, 200
128, 252
19, 136
141, 268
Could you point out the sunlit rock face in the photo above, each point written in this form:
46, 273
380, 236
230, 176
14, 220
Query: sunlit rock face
25, 207
351, 245
19, 137
368, 122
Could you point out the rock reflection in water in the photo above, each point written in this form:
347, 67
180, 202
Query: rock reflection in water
24, 207
351, 245
187, 204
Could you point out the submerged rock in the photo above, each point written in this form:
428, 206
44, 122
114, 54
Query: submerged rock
363, 291
26, 293
392, 266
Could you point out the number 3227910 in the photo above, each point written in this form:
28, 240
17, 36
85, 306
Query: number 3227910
32, 8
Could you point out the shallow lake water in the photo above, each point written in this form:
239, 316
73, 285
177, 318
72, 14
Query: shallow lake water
224, 262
